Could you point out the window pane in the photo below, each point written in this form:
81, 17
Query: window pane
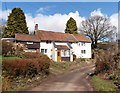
84, 51
42, 51
45, 50
64, 52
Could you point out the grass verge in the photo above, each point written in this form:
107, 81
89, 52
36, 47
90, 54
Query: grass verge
9, 58
102, 85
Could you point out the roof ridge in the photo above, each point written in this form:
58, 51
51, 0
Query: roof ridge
53, 32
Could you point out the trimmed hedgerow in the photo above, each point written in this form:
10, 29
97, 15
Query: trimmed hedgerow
27, 66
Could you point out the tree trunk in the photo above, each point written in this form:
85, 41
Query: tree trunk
95, 45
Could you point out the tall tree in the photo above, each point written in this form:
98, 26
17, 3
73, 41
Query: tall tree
97, 28
71, 26
16, 23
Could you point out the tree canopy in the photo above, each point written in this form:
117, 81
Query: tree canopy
16, 23
71, 26
97, 28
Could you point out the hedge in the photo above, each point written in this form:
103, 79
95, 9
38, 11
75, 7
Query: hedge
27, 66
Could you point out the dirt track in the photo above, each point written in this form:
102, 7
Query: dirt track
75, 80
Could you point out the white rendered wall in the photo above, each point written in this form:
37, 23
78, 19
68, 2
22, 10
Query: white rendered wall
49, 46
52, 52
77, 47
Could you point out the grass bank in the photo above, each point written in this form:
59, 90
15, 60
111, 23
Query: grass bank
102, 85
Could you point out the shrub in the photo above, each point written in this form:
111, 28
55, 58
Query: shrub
26, 67
18, 49
107, 61
33, 55
6, 84
7, 48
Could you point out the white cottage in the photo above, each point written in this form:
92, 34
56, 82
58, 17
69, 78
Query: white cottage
57, 46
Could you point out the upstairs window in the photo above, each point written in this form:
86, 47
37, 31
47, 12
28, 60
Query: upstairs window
29, 42
82, 43
48, 42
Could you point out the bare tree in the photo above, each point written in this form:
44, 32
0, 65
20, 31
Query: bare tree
97, 28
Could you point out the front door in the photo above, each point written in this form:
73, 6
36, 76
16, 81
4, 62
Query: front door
58, 55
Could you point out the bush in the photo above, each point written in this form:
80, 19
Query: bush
32, 55
7, 48
26, 67
107, 61
18, 49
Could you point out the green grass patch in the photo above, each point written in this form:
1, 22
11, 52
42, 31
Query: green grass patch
102, 85
9, 58
59, 67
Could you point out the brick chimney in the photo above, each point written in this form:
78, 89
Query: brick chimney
36, 27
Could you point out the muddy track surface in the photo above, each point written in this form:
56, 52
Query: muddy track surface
75, 80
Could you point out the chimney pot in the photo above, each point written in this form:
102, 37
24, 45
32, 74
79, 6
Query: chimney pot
36, 27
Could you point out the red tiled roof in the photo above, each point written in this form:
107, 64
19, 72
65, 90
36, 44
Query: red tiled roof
26, 37
42, 35
55, 36
83, 38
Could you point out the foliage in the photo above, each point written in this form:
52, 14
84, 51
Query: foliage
0, 47
12, 49
6, 83
71, 26
16, 23
33, 55
18, 49
102, 85
7, 48
26, 67
107, 60
97, 28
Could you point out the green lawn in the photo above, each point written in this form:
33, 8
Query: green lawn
102, 85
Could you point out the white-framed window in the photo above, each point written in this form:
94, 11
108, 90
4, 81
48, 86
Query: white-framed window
62, 52
43, 51
83, 51
65, 52
29, 42
82, 43
78, 44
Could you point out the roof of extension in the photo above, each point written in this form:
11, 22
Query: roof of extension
26, 37
42, 35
